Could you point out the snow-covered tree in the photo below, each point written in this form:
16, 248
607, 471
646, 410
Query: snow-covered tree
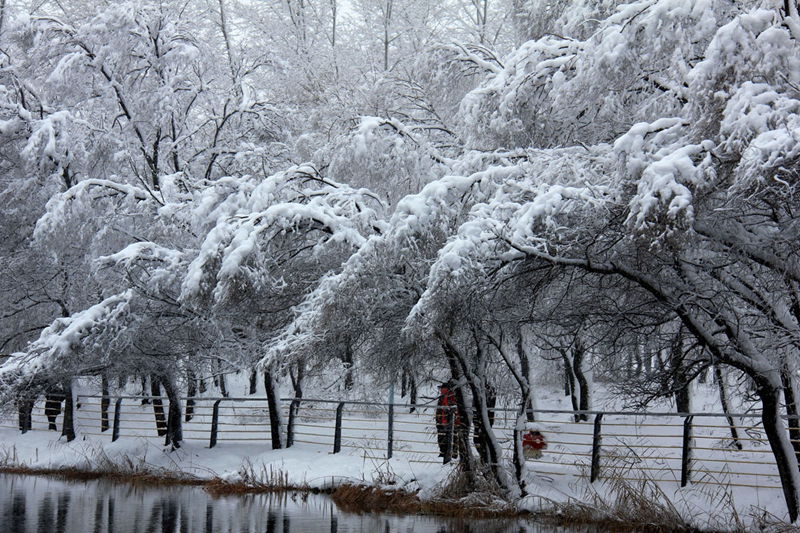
694, 209
620, 186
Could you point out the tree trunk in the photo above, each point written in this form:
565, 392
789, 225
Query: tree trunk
333, 22
191, 392
525, 366
683, 400
723, 398
478, 388
647, 360
412, 391
629, 364
483, 398
25, 407
174, 433
790, 398
224, 28
578, 355
461, 431
518, 457
145, 400
220, 380
347, 359
680, 383
476, 380
639, 363
785, 458
158, 406
662, 362
2, 14
68, 429
385, 48
569, 383
105, 401
296, 375
483, 429
273, 403
253, 380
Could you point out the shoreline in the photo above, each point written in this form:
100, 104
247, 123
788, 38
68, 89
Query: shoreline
354, 498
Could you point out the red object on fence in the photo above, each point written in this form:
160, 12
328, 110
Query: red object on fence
534, 440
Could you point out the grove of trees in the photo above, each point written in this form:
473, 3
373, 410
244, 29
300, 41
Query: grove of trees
350, 193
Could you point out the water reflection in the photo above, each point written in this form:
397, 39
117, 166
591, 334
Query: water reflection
42, 505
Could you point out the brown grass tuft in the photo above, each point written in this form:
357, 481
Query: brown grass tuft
77, 474
368, 499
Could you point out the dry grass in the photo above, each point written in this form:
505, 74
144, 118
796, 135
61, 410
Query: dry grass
478, 490
769, 523
277, 482
629, 510
369, 499
268, 480
8, 456
622, 504
78, 474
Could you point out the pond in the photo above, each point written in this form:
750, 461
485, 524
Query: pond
30, 504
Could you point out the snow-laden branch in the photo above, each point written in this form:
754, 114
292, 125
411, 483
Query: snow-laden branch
478, 56
59, 206
54, 352
298, 203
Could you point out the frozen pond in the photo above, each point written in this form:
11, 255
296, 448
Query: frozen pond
37, 504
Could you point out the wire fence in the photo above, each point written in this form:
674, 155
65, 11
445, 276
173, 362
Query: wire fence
672, 448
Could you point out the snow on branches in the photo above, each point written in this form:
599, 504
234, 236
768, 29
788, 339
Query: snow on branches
85, 198
70, 345
560, 90
258, 227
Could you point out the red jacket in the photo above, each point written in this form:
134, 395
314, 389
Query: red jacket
447, 398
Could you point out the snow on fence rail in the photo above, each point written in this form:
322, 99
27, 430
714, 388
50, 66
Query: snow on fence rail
701, 448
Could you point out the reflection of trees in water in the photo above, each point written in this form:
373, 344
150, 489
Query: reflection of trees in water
209, 517
110, 519
271, 521
63, 509
45, 519
169, 515
153, 519
50, 517
49, 506
17, 512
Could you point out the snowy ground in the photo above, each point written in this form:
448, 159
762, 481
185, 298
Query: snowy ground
639, 448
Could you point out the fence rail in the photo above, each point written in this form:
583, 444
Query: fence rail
679, 448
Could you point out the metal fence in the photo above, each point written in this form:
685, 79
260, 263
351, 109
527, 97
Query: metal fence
666, 447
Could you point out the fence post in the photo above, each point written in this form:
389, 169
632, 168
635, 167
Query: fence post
293, 408
596, 441
214, 424
390, 436
117, 410
448, 435
686, 457
337, 433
